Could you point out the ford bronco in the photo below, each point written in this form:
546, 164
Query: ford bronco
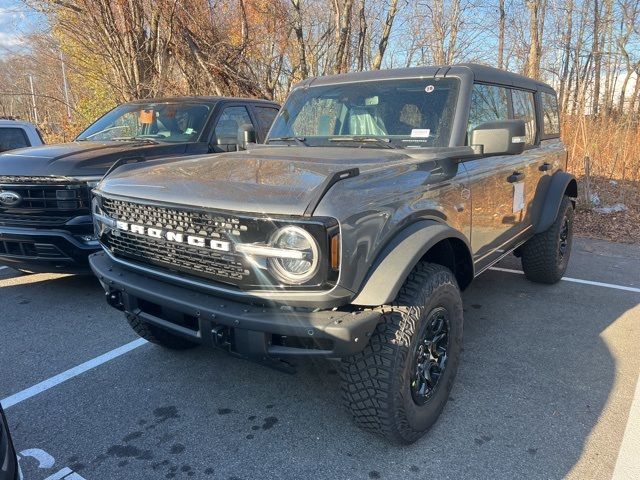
45, 199
378, 197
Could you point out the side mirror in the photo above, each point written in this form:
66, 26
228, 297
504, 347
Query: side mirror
223, 144
502, 137
246, 135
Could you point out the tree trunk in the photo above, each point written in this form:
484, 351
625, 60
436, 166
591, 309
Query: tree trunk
566, 56
386, 31
343, 17
501, 29
297, 28
536, 19
362, 35
597, 58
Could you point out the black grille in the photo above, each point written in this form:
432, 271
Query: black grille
227, 267
45, 197
11, 248
201, 262
12, 179
195, 222
40, 220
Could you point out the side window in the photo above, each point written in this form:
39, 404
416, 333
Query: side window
11, 138
524, 108
488, 103
550, 116
265, 117
232, 118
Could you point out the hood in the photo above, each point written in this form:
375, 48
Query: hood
267, 180
82, 158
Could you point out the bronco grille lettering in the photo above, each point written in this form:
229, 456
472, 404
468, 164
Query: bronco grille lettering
171, 236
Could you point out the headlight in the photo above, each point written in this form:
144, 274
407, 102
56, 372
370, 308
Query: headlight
302, 264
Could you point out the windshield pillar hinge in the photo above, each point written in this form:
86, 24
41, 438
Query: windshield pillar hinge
324, 187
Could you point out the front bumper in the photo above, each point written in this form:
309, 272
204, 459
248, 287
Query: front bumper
250, 329
42, 250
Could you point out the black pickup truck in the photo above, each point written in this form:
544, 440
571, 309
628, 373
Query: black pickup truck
349, 235
45, 199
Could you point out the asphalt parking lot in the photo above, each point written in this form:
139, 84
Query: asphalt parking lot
545, 390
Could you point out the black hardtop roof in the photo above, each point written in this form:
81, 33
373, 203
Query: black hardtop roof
203, 99
477, 72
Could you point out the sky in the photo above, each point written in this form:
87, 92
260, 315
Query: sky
16, 20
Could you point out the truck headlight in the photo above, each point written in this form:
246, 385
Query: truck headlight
302, 262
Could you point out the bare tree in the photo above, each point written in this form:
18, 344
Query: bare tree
536, 29
384, 39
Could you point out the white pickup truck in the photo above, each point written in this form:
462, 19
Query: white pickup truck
18, 134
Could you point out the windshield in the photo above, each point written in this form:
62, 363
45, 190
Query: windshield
167, 122
404, 113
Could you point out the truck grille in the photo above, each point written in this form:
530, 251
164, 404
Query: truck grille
12, 179
44, 196
40, 220
226, 267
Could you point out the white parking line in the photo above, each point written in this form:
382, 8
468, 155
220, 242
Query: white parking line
72, 372
576, 280
628, 463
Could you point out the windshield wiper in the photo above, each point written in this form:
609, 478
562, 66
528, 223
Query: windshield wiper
298, 140
140, 139
383, 142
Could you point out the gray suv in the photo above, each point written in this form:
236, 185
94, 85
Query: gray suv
349, 235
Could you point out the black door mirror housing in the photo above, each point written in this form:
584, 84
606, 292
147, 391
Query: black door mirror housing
502, 137
224, 144
246, 135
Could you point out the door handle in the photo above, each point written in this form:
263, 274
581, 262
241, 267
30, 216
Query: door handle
545, 167
515, 177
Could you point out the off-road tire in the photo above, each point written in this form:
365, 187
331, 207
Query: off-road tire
156, 335
541, 258
376, 385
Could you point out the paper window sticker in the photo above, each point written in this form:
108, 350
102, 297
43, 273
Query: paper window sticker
420, 133
518, 197
146, 116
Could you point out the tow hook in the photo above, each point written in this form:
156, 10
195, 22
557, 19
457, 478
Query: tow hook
115, 300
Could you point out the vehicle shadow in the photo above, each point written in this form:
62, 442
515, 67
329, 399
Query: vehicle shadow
535, 377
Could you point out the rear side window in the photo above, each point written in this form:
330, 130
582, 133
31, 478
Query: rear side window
488, 104
265, 117
524, 109
550, 117
11, 138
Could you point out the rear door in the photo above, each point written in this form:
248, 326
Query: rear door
533, 158
497, 183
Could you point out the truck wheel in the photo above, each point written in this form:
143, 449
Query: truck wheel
398, 385
156, 335
545, 256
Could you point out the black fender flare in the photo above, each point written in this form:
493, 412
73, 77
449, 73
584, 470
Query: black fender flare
561, 183
394, 263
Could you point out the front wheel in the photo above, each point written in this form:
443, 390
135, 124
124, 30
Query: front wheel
399, 384
545, 256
